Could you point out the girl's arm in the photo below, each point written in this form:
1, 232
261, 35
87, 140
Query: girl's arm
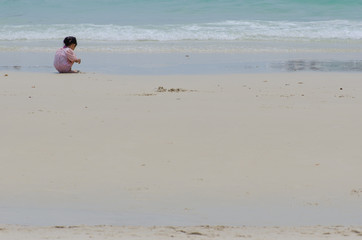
71, 56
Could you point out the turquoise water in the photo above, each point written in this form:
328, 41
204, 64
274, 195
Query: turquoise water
180, 20
244, 27
139, 12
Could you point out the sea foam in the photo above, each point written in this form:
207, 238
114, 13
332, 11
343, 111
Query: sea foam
223, 31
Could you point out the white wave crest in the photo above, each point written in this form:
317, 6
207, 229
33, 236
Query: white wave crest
227, 30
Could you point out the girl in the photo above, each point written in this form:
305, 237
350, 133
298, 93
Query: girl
65, 57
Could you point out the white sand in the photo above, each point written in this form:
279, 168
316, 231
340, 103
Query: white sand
181, 233
258, 149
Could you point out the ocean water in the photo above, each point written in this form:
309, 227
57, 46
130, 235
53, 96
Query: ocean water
286, 30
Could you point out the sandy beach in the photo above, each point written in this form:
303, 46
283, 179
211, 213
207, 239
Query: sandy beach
214, 151
174, 232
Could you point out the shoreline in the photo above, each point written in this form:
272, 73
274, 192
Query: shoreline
238, 149
190, 62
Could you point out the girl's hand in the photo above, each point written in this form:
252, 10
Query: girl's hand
78, 61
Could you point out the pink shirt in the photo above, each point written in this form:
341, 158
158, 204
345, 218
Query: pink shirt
64, 59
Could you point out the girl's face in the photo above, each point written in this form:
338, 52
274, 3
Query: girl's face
72, 46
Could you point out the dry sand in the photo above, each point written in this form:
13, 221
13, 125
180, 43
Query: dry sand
172, 232
248, 149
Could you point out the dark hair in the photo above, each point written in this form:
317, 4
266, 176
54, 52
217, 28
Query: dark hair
70, 40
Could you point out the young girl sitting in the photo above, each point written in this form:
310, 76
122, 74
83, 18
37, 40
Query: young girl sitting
65, 57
